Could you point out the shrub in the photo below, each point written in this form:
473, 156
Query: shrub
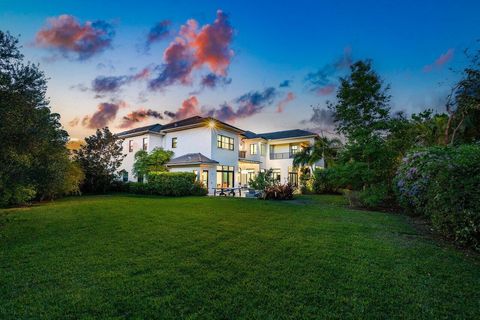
16, 195
170, 184
325, 181
263, 180
443, 185
279, 192
306, 183
376, 196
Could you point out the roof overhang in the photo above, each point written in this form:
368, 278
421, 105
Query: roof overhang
140, 133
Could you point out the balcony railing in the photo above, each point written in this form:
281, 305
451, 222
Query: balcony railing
281, 155
242, 154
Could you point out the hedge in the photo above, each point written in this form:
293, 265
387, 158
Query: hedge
170, 184
442, 184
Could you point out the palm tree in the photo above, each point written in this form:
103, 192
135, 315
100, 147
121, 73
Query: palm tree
323, 148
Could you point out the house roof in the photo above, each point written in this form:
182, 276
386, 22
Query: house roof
192, 121
286, 134
191, 158
152, 128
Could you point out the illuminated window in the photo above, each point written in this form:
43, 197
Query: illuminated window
225, 176
144, 144
130, 145
174, 143
224, 142
253, 148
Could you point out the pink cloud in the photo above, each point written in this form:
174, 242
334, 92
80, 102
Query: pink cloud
106, 113
440, 61
188, 109
68, 36
326, 90
282, 103
137, 116
194, 49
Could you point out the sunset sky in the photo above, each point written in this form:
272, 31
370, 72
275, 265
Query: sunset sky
259, 65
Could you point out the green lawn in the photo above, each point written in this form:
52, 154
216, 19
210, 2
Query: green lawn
146, 257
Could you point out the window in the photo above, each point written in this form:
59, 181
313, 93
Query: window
276, 174
140, 179
144, 144
224, 142
130, 145
195, 172
205, 178
225, 177
293, 176
174, 143
125, 176
293, 148
253, 148
263, 149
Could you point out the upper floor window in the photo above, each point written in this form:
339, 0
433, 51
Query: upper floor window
174, 142
253, 148
263, 149
144, 144
293, 148
224, 142
130, 145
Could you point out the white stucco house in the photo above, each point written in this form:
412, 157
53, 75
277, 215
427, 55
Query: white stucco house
221, 155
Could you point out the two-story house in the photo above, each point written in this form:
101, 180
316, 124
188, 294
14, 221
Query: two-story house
220, 154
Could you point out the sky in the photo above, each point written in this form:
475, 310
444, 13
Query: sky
259, 65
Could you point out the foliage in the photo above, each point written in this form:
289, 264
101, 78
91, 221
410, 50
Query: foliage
34, 159
463, 106
279, 191
99, 157
325, 181
170, 184
443, 185
262, 180
306, 182
154, 162
323, 148
362, 106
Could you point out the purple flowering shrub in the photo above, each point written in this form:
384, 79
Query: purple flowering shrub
443, 185
414, 176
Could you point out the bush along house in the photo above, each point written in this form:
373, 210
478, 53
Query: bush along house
221, 155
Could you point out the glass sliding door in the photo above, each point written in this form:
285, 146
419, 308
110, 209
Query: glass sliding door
225, 177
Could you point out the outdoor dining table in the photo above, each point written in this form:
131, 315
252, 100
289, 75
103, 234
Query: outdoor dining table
227, 191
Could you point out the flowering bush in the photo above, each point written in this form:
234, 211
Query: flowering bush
279, 192
443, 185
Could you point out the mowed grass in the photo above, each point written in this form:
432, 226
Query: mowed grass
210, 258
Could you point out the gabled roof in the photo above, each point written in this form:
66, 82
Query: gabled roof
189, 159
177, 125
287, 134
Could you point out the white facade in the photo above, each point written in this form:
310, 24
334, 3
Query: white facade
227, 168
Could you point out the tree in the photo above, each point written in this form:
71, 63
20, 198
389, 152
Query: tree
323, 148
463, 105
33, 150
99, 157
362, 106
149, 163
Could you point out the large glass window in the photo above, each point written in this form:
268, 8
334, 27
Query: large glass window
225, 176
224, 142
253, 148
293, 176
205, 178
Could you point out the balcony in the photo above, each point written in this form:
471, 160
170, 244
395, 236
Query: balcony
281, 155
242, 154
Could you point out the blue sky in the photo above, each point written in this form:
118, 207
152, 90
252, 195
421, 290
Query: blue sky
413, 45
